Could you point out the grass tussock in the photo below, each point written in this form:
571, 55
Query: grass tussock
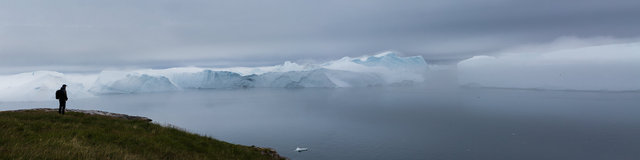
48, 135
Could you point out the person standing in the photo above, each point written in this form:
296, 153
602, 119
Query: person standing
61, 95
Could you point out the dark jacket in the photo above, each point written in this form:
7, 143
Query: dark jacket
62, 95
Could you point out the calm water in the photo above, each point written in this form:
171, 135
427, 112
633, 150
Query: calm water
397, 123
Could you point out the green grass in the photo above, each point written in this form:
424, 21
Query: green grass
33, 134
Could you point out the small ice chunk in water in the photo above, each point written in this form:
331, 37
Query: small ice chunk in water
298, 149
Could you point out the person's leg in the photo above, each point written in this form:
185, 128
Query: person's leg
60, 107
63, 106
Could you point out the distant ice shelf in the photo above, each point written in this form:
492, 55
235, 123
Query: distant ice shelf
611, 67
386, 68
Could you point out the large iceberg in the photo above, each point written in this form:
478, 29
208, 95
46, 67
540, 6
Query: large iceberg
392, 61
40, 85
108, 83
386, 68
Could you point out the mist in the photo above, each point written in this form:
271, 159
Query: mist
597, 64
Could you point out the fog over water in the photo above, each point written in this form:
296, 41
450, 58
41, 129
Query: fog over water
396, 122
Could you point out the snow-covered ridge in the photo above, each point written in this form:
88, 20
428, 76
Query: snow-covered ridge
386, 68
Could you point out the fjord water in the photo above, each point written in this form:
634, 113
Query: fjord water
396, 122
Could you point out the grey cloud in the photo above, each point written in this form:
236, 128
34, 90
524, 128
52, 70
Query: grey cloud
171, 33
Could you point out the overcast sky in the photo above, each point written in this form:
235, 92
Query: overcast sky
81, 35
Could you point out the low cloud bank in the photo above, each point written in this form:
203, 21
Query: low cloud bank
599, 66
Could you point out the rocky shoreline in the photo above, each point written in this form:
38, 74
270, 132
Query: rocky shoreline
90, 112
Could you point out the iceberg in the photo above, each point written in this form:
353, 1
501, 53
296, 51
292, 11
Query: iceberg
298, 149
387, 68
38, 86
208, 79
132, 83
390, 59
378, 70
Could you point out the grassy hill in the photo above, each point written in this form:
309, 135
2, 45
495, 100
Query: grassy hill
44, 134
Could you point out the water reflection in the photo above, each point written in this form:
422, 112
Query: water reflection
397, 123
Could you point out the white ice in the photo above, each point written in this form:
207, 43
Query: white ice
378, 70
